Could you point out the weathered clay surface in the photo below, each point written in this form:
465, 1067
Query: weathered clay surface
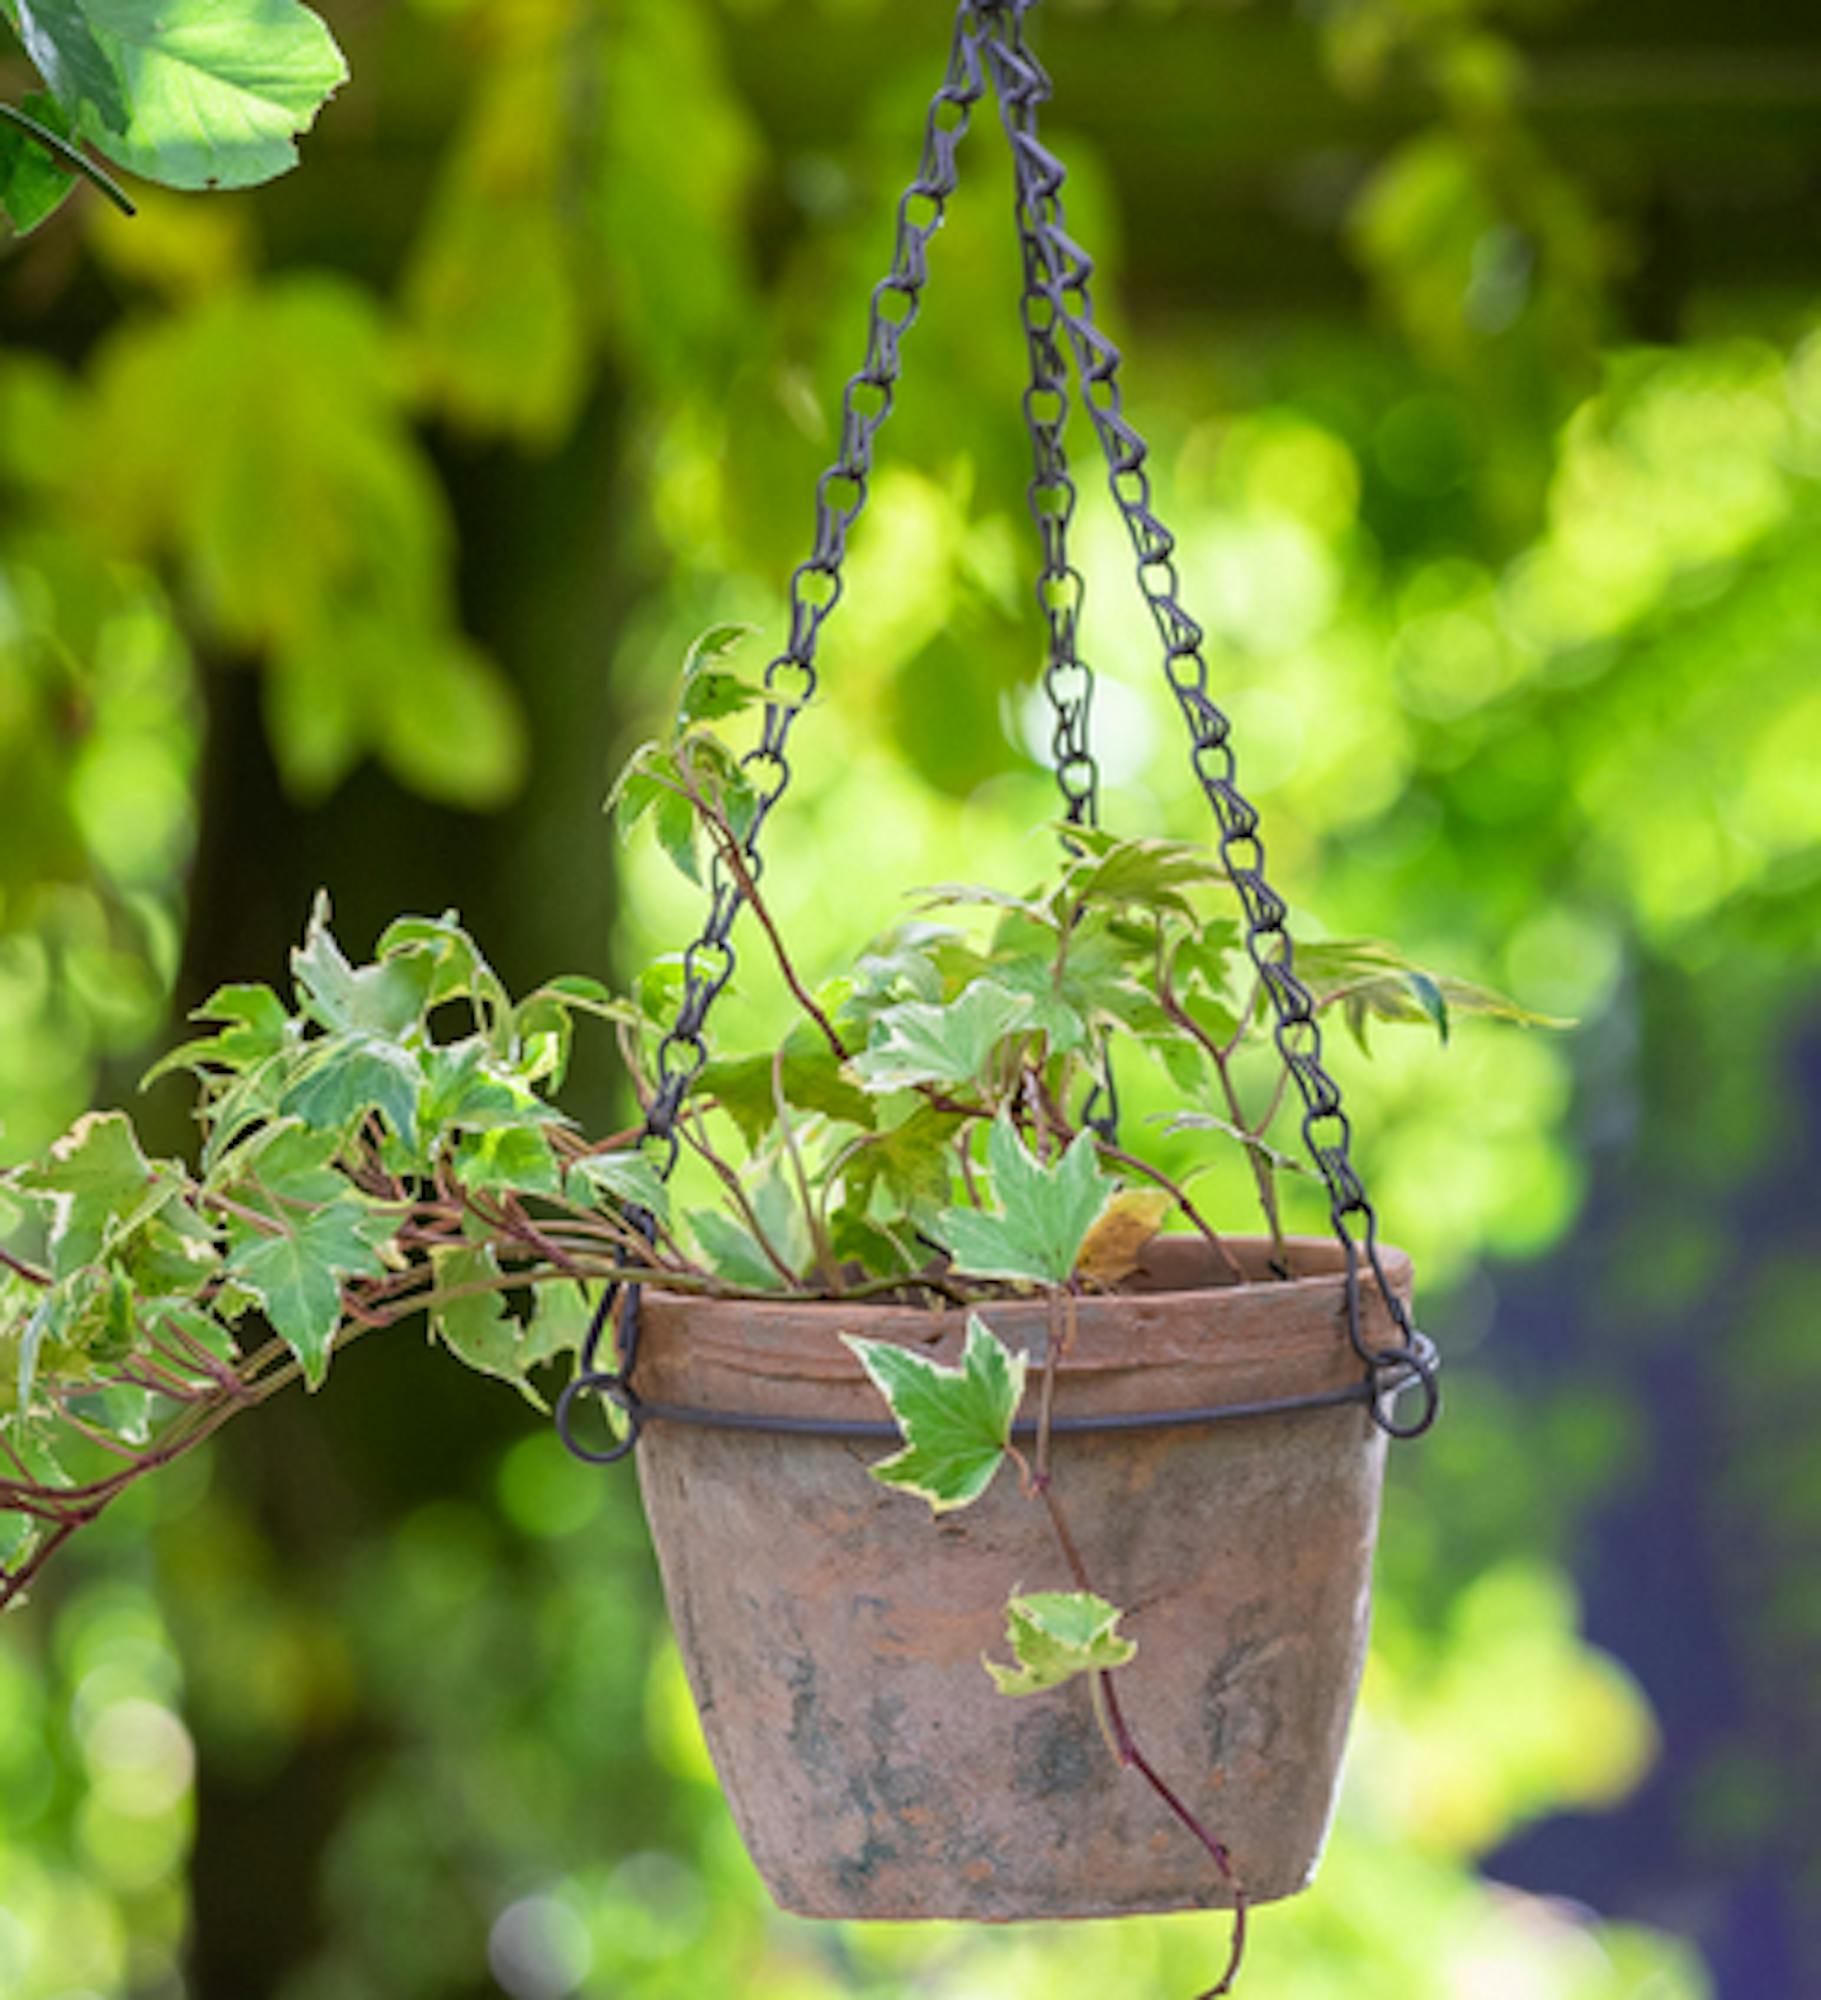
833, 1630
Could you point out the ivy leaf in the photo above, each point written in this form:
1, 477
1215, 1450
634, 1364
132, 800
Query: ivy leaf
813, 1080
957, 1422
296, 1274
478, 1329
916, 1042
343, 1077
709, 691
1055, 1635
625, 1179
561, 1311
1045, 1212
510, 1159
909, 1161
1142, 874
93, 1177
254, 1025
457, 968
1111, 1249
215, 91
1205, 1121
732, 1251
385, 999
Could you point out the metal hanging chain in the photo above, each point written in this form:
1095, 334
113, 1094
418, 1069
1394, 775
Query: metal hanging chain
1066, 271
989, 41
1068, 680
790, 682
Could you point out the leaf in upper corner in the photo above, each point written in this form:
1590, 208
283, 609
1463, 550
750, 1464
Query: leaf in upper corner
214, 92
92, 1177
297, 1273
70, 56
34, 183
957, 1422
916, 1042
1045, 1212
1055, 1635
1112, 1247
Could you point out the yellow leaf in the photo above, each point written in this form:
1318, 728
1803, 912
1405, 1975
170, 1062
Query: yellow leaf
1124, 1227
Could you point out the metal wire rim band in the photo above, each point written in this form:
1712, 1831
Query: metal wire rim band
1413, 1370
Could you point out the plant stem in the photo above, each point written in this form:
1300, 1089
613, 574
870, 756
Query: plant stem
737, 1195
826, 1267
727, 845
1262, 1175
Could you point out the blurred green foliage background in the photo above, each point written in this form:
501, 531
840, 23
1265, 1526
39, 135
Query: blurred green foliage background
351, 527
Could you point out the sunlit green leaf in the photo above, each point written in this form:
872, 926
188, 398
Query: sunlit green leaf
215, 91
1055, 1635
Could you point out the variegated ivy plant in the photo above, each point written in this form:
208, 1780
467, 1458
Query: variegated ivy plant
382, 1145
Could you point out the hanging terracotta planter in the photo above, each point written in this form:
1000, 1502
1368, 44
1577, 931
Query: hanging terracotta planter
833, 1638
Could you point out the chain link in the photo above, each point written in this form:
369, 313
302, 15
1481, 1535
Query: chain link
1068, 680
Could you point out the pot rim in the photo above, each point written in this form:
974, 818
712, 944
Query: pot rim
1177, 1248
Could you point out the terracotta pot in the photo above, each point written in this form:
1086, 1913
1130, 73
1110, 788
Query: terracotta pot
833, 1630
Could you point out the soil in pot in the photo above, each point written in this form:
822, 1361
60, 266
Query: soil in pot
833, 1630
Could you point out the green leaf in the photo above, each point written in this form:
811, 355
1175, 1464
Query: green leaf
908, 1162
1142, 874
1055, 1635
561, 1311
256, 1026
342, 1077
709, 692
71, 58
478, 1329
385, 999
732, 1251
1044, 1216
916, 1042
34, 183
458, 970
215, 90
625, 1179
284, 1164
508, 1159
957, 1422
813, 1080
296, 1274
93, 1176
